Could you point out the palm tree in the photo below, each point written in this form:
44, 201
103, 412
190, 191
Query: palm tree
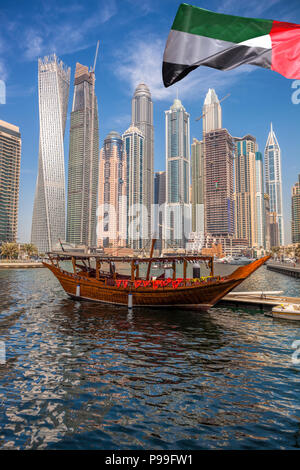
30, 249
9, 250
297, 251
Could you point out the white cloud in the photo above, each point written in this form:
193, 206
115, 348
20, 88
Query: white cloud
64, 37
122, 121
34, 44
3, 70
141, 61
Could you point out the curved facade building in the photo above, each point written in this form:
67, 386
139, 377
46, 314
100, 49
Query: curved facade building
48, 221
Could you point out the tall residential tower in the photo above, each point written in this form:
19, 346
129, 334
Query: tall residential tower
83, 160
245, 189
48, 220
177, 222
219, 199
274, 180
137, 220
296, 212
10, 157
142, 118
112, 193
198, 185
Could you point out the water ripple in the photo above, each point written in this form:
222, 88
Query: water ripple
84, 375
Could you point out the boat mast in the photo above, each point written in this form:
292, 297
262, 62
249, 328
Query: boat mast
151, 254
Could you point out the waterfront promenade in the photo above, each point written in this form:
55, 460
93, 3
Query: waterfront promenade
284, 268
20, 264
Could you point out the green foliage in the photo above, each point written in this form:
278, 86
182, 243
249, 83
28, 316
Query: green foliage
30, 249
10, 250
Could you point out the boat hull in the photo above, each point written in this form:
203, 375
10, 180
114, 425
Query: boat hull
194, 297
286, 316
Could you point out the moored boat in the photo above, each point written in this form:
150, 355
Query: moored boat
91, 282
287, 311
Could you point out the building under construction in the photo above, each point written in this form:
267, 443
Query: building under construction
219, 198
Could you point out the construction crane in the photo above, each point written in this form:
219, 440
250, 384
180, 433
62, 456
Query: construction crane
95, 60
202, 115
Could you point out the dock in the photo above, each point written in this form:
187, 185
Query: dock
261, 300
287, 269
20, 265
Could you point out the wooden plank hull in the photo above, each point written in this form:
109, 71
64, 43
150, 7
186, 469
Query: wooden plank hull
198, 296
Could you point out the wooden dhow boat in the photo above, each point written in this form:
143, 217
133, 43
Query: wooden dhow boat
89, 281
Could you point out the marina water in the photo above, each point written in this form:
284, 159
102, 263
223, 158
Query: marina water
81, 375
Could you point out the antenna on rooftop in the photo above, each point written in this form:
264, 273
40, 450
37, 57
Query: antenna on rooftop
202, 115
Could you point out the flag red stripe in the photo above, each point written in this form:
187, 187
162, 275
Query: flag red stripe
285, 39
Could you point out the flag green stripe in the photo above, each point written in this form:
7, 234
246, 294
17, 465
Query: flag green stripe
194, 20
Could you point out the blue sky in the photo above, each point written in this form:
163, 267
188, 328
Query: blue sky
132, 36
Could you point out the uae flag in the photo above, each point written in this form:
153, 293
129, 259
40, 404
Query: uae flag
202, 37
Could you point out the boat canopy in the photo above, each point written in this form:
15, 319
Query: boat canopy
68, 255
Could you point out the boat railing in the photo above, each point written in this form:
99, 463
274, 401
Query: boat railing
154, 283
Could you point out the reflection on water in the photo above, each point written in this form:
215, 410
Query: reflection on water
86, 375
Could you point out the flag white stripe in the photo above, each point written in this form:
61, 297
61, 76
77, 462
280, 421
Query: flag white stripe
189, 49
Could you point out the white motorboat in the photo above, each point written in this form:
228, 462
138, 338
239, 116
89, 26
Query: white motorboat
240, 260
287, 311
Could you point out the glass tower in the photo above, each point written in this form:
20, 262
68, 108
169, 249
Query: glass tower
83, 160
48, 220
142, 118
274, 180
177, 173
137, 225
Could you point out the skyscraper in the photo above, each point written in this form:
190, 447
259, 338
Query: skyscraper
48, 220
296, 212
177, 173
10, 157
142, 118
198, 185
219, 199
112, 192
274, 180
83, 160
212, 112
137, 219
245, 189
267, 221
260, 206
